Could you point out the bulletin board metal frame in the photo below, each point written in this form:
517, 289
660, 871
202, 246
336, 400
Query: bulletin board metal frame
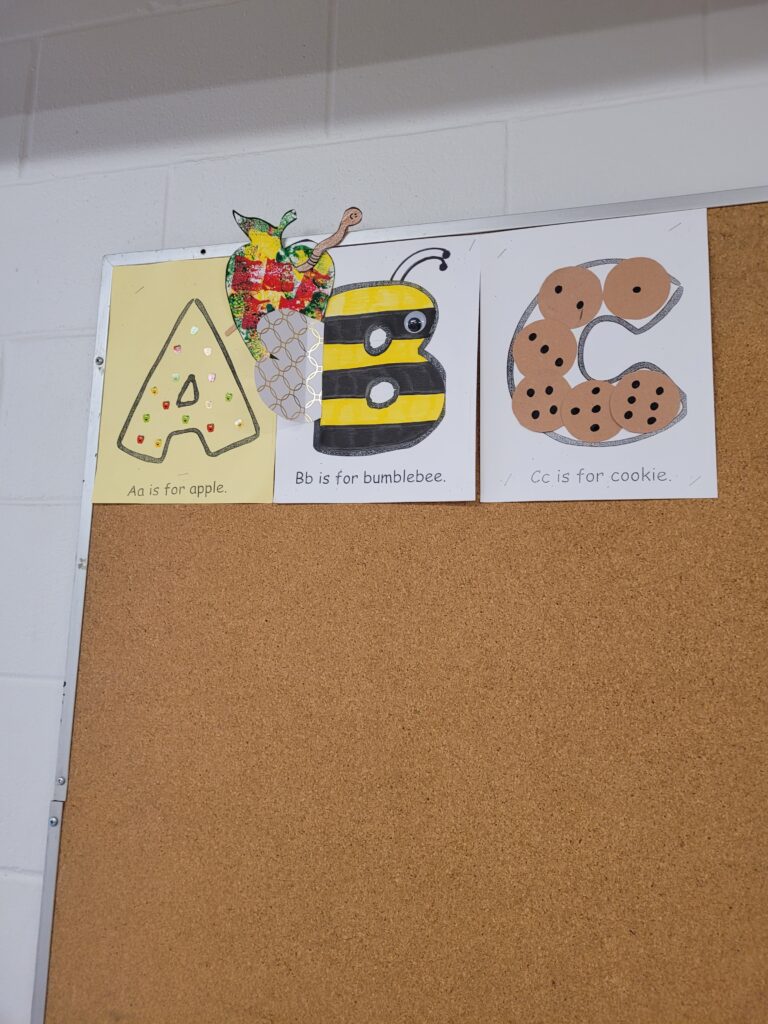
488, 225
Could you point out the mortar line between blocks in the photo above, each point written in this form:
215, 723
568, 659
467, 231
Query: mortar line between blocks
166, 205
30, 103
331, 61
505, 194
290, 147
86, 26
393, 132
706, 56
707, 88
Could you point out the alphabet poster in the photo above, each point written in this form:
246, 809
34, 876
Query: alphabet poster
182, 420
302, 371
388, 409
596, 361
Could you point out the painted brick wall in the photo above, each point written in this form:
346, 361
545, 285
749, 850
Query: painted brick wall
139, 124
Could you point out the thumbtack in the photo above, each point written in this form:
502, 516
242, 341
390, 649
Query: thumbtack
53, 822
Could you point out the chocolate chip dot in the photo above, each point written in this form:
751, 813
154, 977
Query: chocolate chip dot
559, 361
654, 406
595, 408
575, 410
544, 349
530, 392
553, 409
580, 304
637, 289
595, 391
594, 427
558, 289
659, 391
651, 420
535, 414
627, 415
635, 383
631, 399
533, 337
548, 389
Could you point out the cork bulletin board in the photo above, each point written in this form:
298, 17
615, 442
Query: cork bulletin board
462, 763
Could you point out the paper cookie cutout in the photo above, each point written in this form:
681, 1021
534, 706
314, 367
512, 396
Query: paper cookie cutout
587, 413
545, 346
638, 288
645, 401
572, 295
191, 388
288, 379
538, 402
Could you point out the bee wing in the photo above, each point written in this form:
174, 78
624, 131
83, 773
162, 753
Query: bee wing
289, 377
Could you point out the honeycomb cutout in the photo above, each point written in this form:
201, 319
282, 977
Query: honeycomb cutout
288, 377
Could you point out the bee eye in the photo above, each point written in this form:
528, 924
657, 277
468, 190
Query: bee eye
415, 322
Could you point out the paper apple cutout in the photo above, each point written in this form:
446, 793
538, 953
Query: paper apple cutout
263, 276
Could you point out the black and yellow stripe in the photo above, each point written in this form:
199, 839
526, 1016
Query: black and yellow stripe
377, 333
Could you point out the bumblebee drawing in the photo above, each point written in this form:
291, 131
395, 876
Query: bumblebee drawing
381, 389
372, 381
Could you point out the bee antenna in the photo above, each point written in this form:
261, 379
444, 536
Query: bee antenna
433, 253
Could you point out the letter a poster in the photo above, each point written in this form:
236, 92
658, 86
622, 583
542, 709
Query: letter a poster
181, 419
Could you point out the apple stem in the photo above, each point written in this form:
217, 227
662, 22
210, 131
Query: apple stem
288, 218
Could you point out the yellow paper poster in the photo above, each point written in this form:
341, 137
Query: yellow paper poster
181, 419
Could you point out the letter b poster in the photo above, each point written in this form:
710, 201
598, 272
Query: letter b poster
397, 416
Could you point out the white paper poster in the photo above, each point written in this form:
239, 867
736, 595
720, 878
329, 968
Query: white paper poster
596, 361
394, 385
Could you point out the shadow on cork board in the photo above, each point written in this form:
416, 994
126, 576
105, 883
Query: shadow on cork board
447, 763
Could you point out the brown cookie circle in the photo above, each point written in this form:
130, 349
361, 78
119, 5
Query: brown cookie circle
644, 401
544, 346
636, 288
587, 413
572, 295
538, 400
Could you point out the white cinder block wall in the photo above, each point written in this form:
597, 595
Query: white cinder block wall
140, 124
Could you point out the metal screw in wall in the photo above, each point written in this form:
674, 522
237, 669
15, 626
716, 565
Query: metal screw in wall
53, 822
99, 360
60, 781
